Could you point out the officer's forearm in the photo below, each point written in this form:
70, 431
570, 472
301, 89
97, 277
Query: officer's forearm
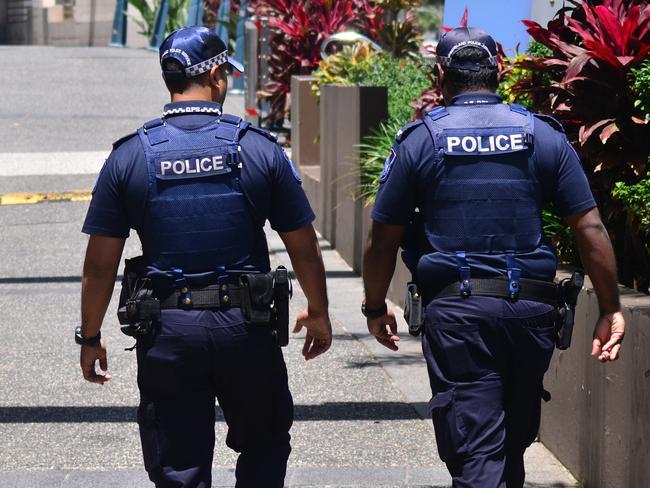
98, 280
379, 261
307, 261
598, 258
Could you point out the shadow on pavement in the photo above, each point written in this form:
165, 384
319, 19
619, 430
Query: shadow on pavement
335, 411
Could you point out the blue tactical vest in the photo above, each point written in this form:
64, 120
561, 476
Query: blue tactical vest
197, 218
486, 200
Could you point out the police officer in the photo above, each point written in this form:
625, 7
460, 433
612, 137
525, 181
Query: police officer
479, 172
198, 185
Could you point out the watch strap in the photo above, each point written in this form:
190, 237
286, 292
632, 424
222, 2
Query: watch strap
86, 341
373, 313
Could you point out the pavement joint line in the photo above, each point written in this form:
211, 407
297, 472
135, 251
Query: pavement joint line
33, 198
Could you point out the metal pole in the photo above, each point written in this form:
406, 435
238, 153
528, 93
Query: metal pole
118, 35
223, 18
195, 13
159, 25
238, 81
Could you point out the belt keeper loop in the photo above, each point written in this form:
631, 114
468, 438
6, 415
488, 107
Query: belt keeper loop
514, 277
181, 284
465, 275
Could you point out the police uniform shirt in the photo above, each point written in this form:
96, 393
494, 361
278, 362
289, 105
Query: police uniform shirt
268, 178
410, 172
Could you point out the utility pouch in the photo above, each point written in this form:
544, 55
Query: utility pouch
413, 310
281, 294
140, 312
568, 291
257, 297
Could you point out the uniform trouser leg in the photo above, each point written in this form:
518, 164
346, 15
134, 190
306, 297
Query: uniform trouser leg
192, 359
177, 406
486, 359
258, 408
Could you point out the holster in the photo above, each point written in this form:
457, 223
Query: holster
138, 310
568, 291
413, 310
265, 300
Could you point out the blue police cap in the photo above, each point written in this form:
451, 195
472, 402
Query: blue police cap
197, 49
461, 37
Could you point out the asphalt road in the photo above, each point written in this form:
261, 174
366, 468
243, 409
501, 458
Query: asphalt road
360, 411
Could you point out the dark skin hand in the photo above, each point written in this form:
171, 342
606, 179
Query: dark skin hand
378, 268
100, 268
598, 258
304, 251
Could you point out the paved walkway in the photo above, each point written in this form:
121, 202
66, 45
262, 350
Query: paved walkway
360, 409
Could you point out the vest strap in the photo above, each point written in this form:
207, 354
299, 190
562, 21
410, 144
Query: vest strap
465, 275
228, 128
156, 131
438, 113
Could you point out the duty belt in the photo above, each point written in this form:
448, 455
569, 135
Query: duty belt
212, 296
533, 290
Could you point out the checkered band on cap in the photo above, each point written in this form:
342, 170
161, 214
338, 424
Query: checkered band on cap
204, 66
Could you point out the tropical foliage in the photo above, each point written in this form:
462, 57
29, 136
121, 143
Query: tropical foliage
587, 81
300, 27
372, 155
177, 14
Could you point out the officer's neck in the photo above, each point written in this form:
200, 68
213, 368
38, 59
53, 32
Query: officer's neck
448, 96
198, 94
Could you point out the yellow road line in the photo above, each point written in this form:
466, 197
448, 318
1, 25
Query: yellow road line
31, 198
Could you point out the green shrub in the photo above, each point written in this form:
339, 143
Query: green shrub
405, 79
636, 198
373, 152
641, 88
176, 15
537, 49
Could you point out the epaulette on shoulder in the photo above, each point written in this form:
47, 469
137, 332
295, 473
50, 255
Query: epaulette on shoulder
122, 140
407, 129
551, 121
263, 132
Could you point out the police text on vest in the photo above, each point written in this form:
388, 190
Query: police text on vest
485, 144
191, 166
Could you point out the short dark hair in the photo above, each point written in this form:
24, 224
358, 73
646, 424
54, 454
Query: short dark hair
459, 80
180, 85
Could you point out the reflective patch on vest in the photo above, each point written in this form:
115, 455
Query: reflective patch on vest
463, 144
172, 168
296, 175
388, 165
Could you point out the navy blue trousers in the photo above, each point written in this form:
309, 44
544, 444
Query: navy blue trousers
195, 357
486, 359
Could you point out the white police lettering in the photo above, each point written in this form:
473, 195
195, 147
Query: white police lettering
485, 144
191, 166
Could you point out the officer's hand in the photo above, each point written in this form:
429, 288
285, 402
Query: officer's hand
609, 331
89, 355
384, 329
319, 333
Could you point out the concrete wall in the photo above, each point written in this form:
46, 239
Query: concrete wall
545, 10
598, 421
347, 114
305, 122
83, 23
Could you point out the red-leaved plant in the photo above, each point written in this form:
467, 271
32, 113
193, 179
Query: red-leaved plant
300, 27
595, 46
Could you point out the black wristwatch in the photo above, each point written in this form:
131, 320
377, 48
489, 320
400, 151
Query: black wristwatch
373, 313
86, 341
